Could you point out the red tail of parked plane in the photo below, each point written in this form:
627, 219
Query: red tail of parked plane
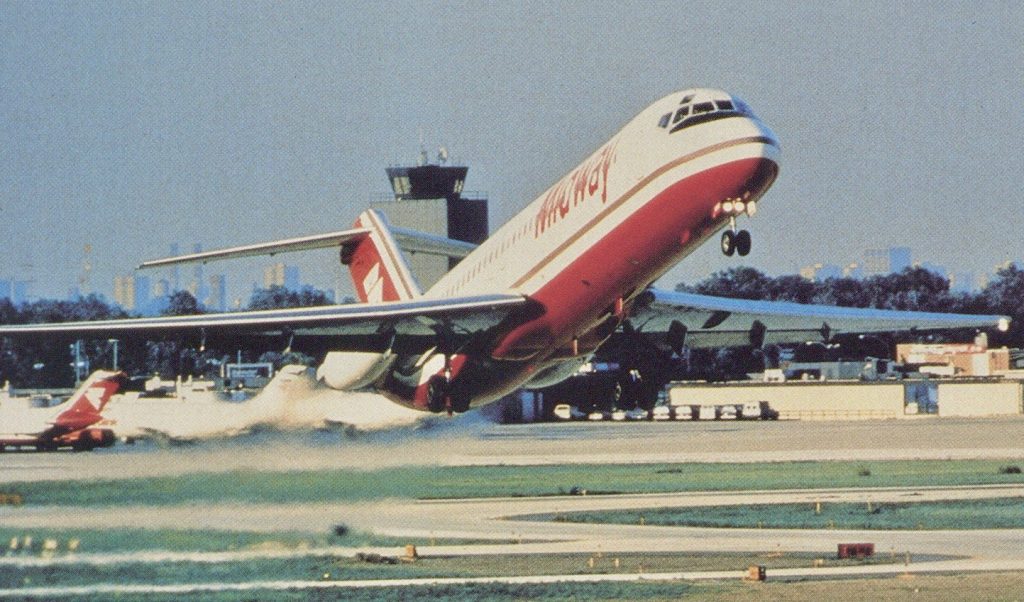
69, 424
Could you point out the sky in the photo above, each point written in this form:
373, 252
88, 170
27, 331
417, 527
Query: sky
126, 127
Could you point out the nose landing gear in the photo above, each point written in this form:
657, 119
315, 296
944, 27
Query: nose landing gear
733, 240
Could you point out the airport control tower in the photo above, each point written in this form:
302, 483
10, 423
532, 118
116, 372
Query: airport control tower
429, 197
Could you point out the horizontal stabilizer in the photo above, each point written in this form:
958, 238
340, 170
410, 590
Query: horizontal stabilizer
411, 241
304, 243
414, 241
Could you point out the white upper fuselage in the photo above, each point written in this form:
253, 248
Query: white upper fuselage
597, 238
635, 166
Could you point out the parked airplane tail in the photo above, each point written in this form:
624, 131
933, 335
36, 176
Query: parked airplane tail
376, 263
87, 403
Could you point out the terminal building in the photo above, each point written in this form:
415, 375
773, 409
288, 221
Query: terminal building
431, 198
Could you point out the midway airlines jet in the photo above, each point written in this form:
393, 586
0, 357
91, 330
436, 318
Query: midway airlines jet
532, 303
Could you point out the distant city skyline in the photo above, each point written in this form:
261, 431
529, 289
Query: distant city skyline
125, 127
138, 293
874, 262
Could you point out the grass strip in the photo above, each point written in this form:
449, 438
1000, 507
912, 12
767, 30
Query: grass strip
417, 482
995, 513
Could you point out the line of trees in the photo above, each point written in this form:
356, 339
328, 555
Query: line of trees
37, 363
913, 289
41, 362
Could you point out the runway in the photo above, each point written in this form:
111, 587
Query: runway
471, 440
523, 525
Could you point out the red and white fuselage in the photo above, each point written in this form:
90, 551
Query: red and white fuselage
632, 210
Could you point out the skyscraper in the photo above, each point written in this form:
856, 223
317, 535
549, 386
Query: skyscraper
879, 262
280, 274
217, 297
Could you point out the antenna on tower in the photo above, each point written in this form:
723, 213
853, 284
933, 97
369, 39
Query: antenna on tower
84, 276
423, 150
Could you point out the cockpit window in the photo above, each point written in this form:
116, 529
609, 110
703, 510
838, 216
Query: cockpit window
686, 99
703, 107
663, 122
692, 113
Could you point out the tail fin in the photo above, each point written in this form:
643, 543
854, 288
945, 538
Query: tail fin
376, 263
87, 403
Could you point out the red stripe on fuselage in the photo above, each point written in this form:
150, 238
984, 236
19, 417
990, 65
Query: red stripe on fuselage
633, 192
636, 252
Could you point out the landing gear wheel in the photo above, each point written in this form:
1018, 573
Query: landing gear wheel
728, 243
437, 392
743, 243
460, 403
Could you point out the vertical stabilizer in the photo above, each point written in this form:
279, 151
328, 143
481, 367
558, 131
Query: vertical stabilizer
377, 266
87, 403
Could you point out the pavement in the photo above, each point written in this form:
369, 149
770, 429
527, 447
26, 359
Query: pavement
470, 440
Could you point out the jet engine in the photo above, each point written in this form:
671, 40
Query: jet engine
350, 370
558, 372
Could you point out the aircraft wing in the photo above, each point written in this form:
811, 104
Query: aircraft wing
706, 321
420, 318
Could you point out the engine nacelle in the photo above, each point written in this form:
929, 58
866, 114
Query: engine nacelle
556, 373
350, 370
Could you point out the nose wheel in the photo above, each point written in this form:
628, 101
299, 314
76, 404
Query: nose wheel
736, 241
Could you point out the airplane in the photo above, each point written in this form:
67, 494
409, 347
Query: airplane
533, 302
69, 424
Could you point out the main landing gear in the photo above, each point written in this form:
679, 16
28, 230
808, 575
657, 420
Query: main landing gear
736, 241
442, 396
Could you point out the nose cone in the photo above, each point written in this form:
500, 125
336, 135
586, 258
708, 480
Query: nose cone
744, 109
